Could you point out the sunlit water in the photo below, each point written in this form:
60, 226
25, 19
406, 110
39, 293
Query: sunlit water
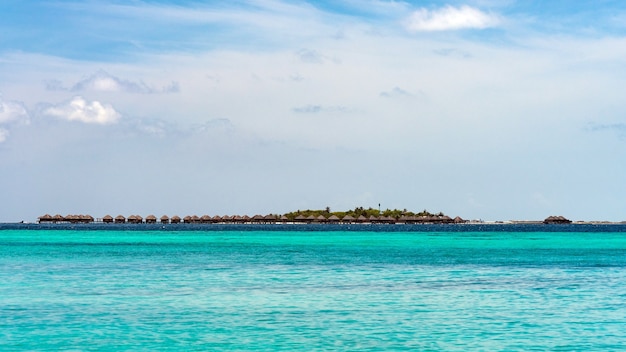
287, 288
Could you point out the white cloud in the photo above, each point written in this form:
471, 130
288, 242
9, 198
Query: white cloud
450, 18
78, 109
11, 111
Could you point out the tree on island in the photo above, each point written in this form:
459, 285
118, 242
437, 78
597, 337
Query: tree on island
360, 211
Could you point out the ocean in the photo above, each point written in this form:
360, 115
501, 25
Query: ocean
312, 287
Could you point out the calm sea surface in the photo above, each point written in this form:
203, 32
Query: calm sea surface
281, 287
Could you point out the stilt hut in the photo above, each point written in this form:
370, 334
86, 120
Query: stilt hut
45, 218
107, 219
205, 219
120, 219
269, 219
257, 219
86, 219
151, 219
165, 219
348, 219
187, 219
300, 218
195, 219
175, 219
58, 218
361, 219
216, 219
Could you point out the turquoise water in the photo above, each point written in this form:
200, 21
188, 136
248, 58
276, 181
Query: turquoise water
362, 289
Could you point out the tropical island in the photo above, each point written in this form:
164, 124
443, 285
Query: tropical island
358, 215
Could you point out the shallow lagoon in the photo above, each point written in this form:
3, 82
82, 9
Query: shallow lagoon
312, 287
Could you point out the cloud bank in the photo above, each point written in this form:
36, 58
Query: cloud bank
79, 109
450, 18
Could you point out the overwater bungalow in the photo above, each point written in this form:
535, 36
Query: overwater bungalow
45, 218
227, 219
361, 219
321, 219
300, 218
187, 219
333, 219
175, 219
108, 219
269, 219
120, 219
216, 219
205, 219
348, 219
310, 219
164, 219
151, 219
135, 219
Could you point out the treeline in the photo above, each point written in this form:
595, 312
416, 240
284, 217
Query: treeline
359, 211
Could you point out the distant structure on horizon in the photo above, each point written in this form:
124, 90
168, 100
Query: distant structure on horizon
290, 218
256, 219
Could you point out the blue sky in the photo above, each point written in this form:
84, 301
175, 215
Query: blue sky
486, 109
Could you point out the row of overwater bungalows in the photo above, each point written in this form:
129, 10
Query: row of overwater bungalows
256, 219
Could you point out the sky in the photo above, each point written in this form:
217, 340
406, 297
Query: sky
484, 109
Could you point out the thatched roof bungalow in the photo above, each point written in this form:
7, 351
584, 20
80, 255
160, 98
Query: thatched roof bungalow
321, 219
348, 219
58, 218
120, 219
108, 219
310, 219
175, 219
164, 219
216, 219
205, 219
187, 219
361, 219
333, 219
300, 218
45, 218
151, 219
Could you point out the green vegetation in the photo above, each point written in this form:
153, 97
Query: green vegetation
358, 211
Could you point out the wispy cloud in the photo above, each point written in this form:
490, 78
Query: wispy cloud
79, 109
396, 92
316, 109
102, 81
450, 18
